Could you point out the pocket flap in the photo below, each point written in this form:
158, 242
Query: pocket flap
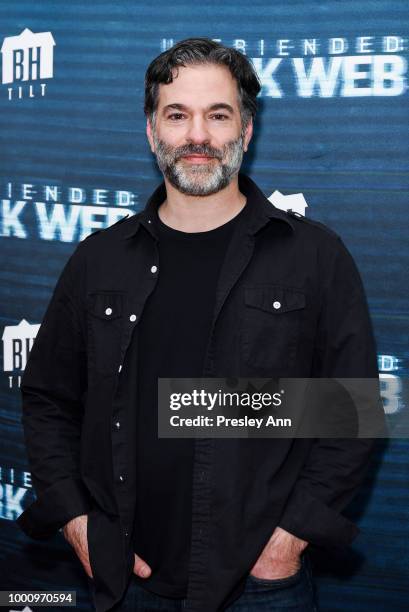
106, 305
274, 298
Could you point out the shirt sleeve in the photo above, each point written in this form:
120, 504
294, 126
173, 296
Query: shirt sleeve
53, 390
345, 348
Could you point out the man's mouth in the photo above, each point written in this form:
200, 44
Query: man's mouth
196, 158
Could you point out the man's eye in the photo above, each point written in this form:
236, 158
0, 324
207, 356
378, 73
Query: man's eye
220, 116
175, 116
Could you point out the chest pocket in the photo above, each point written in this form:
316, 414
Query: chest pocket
271, 321
105, 314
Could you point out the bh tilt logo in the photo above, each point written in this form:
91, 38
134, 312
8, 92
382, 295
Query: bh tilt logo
27, 61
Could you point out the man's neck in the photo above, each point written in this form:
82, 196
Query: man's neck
201, 213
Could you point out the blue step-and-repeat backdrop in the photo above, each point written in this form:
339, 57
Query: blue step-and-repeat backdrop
332, 128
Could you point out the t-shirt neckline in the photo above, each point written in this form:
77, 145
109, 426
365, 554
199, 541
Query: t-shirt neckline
172, 232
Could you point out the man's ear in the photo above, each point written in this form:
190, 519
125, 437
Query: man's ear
150, 135
247, 135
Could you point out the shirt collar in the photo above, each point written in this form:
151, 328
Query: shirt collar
260, 209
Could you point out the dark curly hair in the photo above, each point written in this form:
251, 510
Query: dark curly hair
194, 51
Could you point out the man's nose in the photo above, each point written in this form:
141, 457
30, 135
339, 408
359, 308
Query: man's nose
197, 131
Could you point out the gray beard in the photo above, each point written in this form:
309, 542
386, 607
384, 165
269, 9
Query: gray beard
199, 179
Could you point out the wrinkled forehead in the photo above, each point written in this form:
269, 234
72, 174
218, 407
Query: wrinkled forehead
199, 87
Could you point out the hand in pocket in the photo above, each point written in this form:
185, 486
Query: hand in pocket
75, 532
281, 557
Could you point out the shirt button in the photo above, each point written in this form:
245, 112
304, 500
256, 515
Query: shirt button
154, 268
122, 478
133, 317
117, 424
126, 534
276, 305
108, 311
120, 368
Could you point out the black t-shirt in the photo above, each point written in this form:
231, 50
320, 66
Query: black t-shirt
173, 334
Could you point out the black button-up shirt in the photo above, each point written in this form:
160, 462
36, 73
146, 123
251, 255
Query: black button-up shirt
80, 434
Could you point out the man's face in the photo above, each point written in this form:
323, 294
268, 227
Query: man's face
197, 136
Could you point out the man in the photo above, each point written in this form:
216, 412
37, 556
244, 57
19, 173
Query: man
211, 280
